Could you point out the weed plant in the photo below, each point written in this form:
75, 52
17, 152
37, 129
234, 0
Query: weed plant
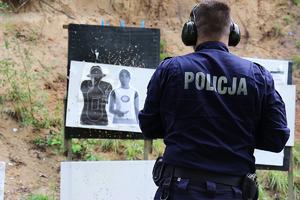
163, 53
296, 62
277, 29
287, 19
297, 2
20, 83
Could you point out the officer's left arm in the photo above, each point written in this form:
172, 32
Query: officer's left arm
149, 118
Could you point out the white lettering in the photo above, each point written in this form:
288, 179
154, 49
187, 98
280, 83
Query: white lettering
215, 79
219, 84
202, 83
221, 88
242, 87
232, 90
188, 78
208, 87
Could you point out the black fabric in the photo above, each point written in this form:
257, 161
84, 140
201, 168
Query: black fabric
236, 181
203, 184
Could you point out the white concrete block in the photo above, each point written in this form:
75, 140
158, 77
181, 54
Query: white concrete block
108, 180
2, 179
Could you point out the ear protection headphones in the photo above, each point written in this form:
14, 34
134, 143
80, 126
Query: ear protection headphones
189, 32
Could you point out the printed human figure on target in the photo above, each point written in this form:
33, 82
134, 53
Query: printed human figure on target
124, 101
95, 94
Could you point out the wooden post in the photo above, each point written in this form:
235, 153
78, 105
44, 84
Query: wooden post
147, 148
66, 26
69, 157
290, 177
67, 150
67, 143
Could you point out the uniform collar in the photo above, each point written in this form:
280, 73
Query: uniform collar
212, 45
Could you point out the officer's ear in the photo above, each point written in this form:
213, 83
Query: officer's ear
189, 34
235, 35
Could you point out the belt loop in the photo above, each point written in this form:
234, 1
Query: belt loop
182, 186
211, 189
237, 192
166, 186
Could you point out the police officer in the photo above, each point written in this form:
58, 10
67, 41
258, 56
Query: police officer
213, 109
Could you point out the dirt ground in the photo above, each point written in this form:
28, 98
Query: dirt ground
36, 170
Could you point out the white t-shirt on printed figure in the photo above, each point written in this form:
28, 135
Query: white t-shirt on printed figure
124, 102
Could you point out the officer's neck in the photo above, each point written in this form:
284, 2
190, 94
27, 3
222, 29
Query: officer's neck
208, 39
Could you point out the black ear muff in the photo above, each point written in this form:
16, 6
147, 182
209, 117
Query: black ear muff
189, 34
189, 30
235, 35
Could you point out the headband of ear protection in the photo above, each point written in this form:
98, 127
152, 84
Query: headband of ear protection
189, 32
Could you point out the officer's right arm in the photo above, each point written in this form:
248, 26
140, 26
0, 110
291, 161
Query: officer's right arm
272, 132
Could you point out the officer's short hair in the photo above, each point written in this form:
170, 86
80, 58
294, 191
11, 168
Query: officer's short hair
212, 18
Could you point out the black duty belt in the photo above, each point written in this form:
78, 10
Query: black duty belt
224, 179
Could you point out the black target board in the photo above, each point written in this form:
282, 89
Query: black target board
135, 48
128, 46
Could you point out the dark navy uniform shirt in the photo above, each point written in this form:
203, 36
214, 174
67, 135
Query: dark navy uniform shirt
213, 108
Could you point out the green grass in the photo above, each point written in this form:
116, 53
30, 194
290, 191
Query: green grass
277, 181
133, 149
296, 154
110, 145
41, 197
262, 189
296, 62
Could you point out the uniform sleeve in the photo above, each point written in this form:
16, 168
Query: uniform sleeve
272, 132
149, 118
